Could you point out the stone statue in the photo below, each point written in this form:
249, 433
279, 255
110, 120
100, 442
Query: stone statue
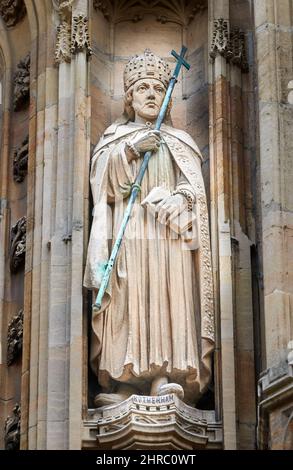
155, 332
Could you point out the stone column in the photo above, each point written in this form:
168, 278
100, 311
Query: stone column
273, 32
220, 212
65, 348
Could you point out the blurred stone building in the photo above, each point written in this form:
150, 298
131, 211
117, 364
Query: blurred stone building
61, 65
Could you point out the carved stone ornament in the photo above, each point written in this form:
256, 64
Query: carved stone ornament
12, 11
63, 43
165, 10
80, 36
64, 8
12, 430
22, 84
14, 338
221, 35
20, 162
18, 245
144, 422
229, 44
238, 49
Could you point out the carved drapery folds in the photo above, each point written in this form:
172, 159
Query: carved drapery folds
80, 36
12, 430
12, 11
14, 338
165, 10
22, 84
20, 162
18, 245
229, 43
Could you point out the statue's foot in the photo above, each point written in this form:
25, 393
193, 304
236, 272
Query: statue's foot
171, 388
107, 399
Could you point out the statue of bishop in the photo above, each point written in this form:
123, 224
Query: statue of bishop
155, 331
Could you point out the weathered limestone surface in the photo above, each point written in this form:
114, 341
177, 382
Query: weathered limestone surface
246, 141
144, 422
273, 23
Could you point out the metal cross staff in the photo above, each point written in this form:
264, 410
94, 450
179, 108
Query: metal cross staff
137, 184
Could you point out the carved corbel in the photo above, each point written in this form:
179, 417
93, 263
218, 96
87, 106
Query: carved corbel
20, 161
22, 84
12, 11
12, 430
14, 338
18, 245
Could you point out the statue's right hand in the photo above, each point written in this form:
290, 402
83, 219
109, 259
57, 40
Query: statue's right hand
148, 142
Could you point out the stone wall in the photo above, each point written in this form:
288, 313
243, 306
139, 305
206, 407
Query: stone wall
15, 44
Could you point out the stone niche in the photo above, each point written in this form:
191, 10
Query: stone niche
118, 33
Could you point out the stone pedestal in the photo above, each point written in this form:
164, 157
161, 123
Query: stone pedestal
142, 422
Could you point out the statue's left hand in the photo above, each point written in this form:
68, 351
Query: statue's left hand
171, 207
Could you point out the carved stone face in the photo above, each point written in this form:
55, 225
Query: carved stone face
148, 95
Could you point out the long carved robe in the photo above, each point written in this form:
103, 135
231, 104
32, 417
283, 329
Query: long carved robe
157, 316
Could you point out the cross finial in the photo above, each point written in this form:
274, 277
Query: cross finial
180, 60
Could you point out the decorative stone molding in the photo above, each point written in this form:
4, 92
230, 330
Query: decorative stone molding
290, 95
12, 11
18, 245
165, 10
63, 43
80, 36
12, 430
63, 39
221, 35
143, 422
22, 84
64, 9
20, 161
237, 49
229, 43
275, 394
14, 338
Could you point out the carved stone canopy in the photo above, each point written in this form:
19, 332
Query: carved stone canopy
22, 84
12, 11
12, 430
20, 161
181, 12
18, 245
14, 338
